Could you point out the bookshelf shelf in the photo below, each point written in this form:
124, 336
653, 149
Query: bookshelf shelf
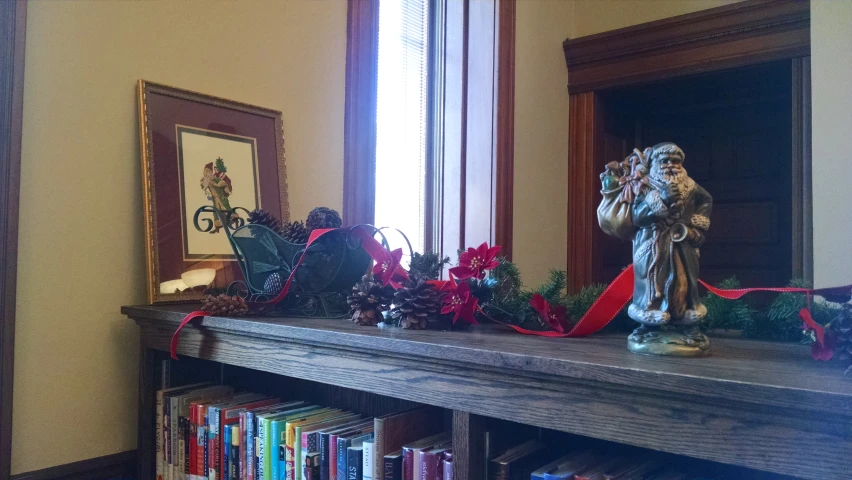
760, 405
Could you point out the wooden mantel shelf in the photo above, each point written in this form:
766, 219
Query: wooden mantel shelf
761, 405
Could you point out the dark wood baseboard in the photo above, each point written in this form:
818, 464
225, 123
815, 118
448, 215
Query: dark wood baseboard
117, 466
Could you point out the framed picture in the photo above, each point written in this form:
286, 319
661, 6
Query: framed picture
198, 150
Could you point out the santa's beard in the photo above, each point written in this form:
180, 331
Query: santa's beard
671, 173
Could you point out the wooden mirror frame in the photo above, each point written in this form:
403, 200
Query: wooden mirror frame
13, 23
736, 35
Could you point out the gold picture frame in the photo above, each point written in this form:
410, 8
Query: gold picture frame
162, 109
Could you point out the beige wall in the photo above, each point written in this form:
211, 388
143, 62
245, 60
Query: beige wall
831, 71
595, 16
81, 238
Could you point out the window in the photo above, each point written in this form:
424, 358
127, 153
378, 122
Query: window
429, 120
401, 185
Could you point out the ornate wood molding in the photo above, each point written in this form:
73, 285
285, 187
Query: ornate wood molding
739, 34
13, 25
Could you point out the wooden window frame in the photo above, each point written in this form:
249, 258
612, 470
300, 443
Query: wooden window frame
470, 122
13, 23
736, 35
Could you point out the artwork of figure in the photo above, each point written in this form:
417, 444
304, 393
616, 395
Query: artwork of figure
649, 198
217, 186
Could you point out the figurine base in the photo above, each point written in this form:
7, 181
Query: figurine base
671, 340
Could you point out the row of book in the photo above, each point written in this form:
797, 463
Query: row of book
535, 460
210, 432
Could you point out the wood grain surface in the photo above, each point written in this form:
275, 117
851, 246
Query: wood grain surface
760, 405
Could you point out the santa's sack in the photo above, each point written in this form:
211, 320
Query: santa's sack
614, 214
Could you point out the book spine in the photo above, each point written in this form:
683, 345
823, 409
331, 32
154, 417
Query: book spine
312, 466
367, 462
282, 462
342, 455
262, 471
226, 454
448, 470
213, 444
167, 439
235, 453
248, 446
241, 459
407, 464
174, 431
323, 456
428, 466
191, 441
274, 450
158, 428
392, 468
205, 467
184, 473
295, 459
354, 463
332, 457
305, 442
377, 464
200, 440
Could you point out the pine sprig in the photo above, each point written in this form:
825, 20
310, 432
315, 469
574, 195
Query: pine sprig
728, 314
427, 266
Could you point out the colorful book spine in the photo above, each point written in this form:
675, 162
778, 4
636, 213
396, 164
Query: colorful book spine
367, 462
407, 464
158, 434
205, 466
191, 441
242, 433
448, 470
212, 444
332, 457
275, 450
226, 454
342, 454
262, 472
235, 453
248, 446
354, 463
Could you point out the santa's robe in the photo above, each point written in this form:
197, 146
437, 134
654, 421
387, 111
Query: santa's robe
666, 272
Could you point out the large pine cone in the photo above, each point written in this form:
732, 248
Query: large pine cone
322, 217
415, 303
263, 217
225, 305
295, 232
368, 300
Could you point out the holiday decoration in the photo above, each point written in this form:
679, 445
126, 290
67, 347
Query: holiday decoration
666, 214
414, 303
388, 270
225, 305
295, 232
553, 316
323, 217
368, 300
459, 302
475, 261
263, 217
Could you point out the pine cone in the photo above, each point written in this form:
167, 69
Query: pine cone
415, 303
263, 217
295, 232
368, 300
225, 305
322, 217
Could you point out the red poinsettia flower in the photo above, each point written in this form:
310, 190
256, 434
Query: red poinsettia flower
475, 261
554, 316
458, 299
388, 270
824, 350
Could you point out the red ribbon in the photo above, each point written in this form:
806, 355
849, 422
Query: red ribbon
373, 248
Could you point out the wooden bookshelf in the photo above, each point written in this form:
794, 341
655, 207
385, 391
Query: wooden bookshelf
765, 406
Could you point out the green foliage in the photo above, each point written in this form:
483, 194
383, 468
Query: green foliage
427, 266
782, 318
580, 303
220, 165
507, 280
553, 290
728, 314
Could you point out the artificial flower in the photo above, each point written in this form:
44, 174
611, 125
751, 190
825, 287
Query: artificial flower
475, 261
388, 270
554, 316
459, 300
824, 350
